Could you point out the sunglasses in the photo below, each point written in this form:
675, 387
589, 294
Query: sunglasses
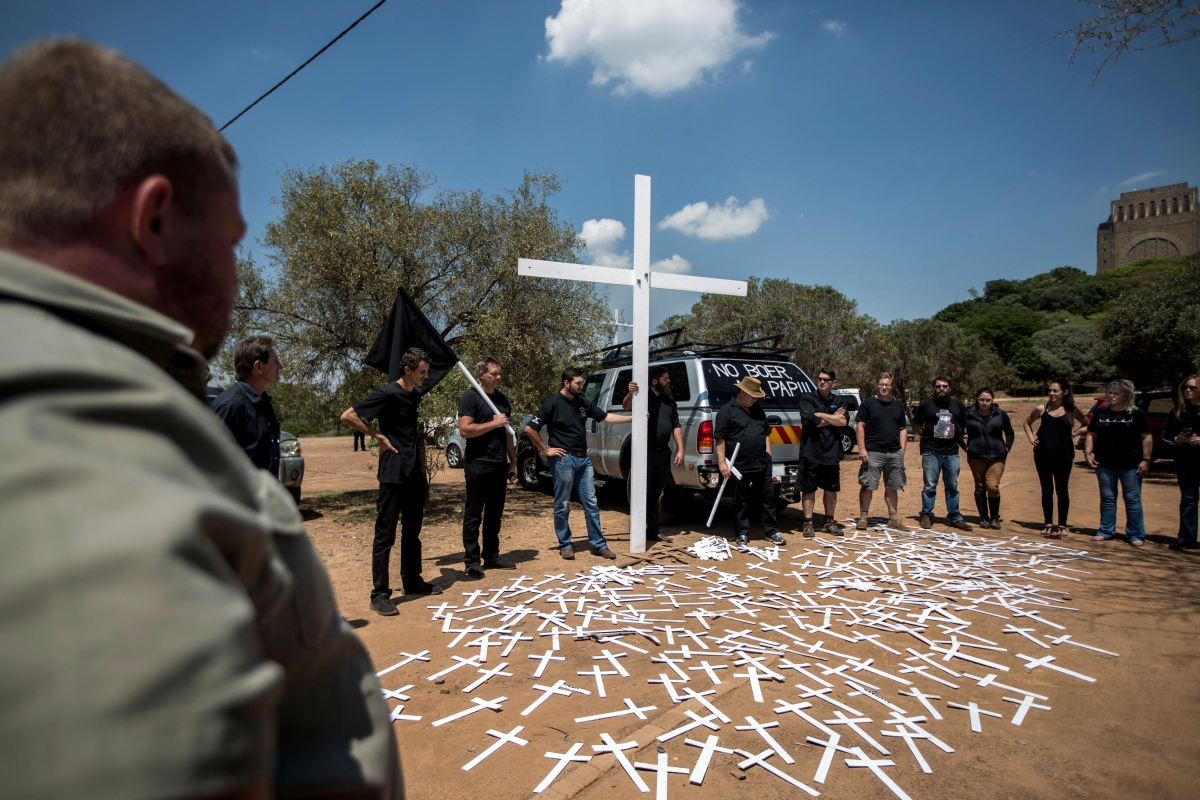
824, 380
1190, 388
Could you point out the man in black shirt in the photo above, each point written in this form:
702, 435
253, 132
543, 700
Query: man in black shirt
821, 455
882, 435
402, 482
742, 422
489, 463
246, 408
663, 416
940, 421
566, 413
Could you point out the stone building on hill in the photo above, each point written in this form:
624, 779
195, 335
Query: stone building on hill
1163, 222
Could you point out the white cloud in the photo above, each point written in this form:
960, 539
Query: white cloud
1141, 178
725, 221
675, 263
601, 237
834, 27
652, 46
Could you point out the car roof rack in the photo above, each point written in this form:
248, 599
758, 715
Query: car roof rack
620, 355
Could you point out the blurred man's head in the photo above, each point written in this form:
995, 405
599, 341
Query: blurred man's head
256, 362
108, 175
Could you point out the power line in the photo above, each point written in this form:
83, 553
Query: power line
305, 64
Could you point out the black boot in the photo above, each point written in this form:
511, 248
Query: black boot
981, 503
994, 511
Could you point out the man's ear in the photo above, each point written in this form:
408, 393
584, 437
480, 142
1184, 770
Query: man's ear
152, 217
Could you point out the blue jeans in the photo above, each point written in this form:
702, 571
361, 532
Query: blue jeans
1189, 492
1131, 490
947, 466
575, 471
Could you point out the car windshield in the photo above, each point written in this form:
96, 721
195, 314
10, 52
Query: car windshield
783, 382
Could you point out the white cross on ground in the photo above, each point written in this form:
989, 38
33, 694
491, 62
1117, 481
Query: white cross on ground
990, 680
923, 671
421, 656
477, 704
598, 674
631, 708
910, 738
760, 760
707, 669
831, 750
761, 729
1027, 633
876, 766
397, 694
752, 674
974, 710
924, 698
853, 724
825, 694
673, 664
501, 739
706, 753
544, 659
782, 707
513, 640
1066, 639
669, 685
473, 661
697, 721
642, 279
397, 715
1047, 661
702, 699
663, 769
560, 688
486, 675
563, 760
1024, 704
911, 724
618, 750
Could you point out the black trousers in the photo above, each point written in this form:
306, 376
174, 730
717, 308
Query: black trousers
755, 491
398, 501
1054, 474
658, 468
360, 440
487, 486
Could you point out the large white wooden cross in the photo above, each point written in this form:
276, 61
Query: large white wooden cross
642, 280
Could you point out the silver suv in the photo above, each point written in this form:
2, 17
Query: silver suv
702, 381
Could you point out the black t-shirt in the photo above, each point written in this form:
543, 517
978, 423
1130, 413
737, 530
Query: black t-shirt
882, 423
251, 418
395, 409
1118, 442
942, 423
567, 420
748, 427
822, 445
491, 446
664, 419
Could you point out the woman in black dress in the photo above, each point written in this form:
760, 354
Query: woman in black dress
1054, 452
1183, 430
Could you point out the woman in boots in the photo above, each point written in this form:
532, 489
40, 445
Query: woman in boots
1054, 452
989, 435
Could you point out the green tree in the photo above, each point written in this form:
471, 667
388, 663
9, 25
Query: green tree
821, 323
1007, 331
1074, 352
350, 233
1152, 329
926, 348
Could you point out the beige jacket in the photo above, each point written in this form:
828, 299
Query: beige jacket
166, 627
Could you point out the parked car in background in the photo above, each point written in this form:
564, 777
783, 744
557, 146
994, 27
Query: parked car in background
1157, 403
848, 434
291, 464
454, 449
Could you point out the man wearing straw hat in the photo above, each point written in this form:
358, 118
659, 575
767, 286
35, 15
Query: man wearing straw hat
742, 424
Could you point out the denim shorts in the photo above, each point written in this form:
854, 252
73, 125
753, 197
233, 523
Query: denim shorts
891, 465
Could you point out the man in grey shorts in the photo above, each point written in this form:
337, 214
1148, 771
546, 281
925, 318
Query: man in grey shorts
882, 436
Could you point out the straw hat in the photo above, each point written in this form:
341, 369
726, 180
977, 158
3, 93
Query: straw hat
751, 386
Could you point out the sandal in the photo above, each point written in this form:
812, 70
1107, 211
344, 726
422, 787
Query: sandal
1055, 533
1048, 531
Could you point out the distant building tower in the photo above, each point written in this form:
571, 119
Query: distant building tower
1149, 223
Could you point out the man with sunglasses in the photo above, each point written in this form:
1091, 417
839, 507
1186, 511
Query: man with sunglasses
821, 454
939, 422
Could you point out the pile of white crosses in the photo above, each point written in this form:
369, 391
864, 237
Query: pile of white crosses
882, 616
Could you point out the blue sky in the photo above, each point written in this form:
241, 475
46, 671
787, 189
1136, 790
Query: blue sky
901, 152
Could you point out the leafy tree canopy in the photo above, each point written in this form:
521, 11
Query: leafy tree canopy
926, 348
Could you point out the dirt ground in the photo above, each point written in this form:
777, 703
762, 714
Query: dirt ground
1135, 732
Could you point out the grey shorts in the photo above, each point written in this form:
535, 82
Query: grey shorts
890, 464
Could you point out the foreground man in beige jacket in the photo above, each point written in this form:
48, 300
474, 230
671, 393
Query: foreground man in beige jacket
166, 627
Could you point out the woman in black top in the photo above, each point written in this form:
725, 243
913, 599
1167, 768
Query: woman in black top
1183, 429
1054, 452
1118, 447
989, 434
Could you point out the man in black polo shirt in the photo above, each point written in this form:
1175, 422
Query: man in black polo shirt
245, 407
402, 483
821, 455
940, 421
489, 462
663, 415
743, 422
566, 413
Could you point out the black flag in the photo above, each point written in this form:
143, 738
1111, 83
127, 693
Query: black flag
407, 327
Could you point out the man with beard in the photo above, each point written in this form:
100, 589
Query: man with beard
821, 453
566, 414
168, 628
939, 422
663, 427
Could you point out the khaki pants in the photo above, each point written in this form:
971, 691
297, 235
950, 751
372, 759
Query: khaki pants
987, 473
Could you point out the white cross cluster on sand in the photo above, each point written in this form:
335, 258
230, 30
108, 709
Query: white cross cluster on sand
849, 669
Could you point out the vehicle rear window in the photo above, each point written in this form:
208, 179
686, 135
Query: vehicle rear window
681, 386
783, 381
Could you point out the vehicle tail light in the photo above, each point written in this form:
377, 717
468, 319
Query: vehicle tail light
704, 438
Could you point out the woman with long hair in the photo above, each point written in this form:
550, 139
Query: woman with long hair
990, 436
1118, 446
1183, 430
1054, 452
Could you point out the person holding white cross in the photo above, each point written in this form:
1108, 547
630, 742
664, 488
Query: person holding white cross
663, 427
743, 422
566, 413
